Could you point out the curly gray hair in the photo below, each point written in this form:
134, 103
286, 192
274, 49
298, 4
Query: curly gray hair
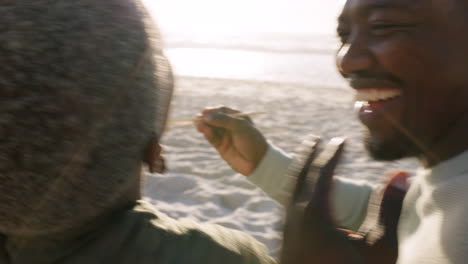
83, 86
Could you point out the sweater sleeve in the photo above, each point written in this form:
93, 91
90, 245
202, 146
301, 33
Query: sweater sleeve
349, 197
269, 174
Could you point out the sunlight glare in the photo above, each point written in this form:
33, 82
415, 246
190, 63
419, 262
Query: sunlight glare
246, 16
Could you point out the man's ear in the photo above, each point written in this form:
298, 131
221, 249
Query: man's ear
152, 156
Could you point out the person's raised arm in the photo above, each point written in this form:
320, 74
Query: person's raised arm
246, 150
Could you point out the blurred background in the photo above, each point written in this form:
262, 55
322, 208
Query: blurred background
241, 16
268, 40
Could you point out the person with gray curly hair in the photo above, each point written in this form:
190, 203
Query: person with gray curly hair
84, 91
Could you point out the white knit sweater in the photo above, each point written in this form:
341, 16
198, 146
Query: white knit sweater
435, 211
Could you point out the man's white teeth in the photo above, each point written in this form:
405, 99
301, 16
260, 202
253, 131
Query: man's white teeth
369, 95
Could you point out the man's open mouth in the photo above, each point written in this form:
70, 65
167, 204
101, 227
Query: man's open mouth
372, 103
375, 95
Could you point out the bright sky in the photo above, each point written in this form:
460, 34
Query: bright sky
246, 16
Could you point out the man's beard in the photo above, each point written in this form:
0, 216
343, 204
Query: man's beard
395, 148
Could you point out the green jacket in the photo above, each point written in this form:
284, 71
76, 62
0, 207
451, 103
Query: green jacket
142, 235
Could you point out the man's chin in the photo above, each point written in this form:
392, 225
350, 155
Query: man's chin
391, 149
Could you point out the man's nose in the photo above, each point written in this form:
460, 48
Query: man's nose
354, 56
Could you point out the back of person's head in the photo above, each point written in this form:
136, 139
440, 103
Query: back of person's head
83, 87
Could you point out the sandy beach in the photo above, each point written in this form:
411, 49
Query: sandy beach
200, 186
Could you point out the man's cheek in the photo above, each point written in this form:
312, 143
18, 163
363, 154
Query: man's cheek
400, 57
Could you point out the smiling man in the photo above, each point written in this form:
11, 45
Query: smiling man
408, 62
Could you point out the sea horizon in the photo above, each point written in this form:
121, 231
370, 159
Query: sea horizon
303, 58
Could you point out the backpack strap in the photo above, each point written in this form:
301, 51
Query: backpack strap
311, 234
384, 207
299, 168
379, 229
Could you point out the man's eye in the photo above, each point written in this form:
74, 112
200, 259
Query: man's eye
343, 36
387, 29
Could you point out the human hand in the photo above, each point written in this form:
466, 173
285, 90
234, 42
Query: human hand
236, 139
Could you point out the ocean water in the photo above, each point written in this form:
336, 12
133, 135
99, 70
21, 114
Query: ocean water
285, 58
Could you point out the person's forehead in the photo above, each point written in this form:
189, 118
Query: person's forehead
365, 6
